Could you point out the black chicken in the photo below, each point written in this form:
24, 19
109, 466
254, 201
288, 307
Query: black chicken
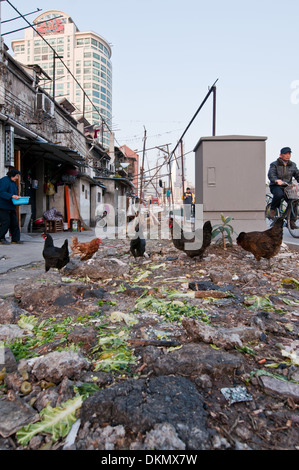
138, 243
181, 241
55, 257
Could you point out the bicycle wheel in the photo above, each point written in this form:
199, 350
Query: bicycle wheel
293, 218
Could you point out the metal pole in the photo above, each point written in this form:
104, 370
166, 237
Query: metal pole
207, 96
182, 161
54, 66
214, 110
142, 167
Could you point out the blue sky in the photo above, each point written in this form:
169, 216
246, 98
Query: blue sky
166, 54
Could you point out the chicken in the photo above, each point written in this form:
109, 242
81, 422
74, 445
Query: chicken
264, 244
54, 257
85, 249
138, 243
180, 238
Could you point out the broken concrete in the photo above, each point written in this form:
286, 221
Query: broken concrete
280, 388
228, 338
57, 365
14, 415
191, 360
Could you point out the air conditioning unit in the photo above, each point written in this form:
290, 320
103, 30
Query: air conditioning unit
44, 104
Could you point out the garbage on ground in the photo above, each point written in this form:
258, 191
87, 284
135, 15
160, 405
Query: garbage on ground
236, 394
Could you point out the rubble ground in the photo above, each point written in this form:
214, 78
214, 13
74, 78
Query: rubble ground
164, 352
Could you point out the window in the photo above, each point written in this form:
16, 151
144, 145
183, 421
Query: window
20, 48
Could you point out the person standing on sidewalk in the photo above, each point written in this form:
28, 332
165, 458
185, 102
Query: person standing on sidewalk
8, 213
188, 200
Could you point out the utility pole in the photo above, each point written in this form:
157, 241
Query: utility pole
182, 162
54, 71
142, 167
214, 110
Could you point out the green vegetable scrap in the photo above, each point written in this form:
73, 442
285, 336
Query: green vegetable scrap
291, 282
171, 310
55, 421
255, 302
114, 354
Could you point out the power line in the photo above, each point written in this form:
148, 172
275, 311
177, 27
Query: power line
56, 56
17, 17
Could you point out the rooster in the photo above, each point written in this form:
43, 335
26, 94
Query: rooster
85, 249
54, 257
138, 243
180, 240
264, 244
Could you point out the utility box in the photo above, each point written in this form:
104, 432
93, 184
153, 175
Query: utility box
230, 179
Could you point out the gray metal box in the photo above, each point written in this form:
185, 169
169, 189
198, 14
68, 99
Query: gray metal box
230, 179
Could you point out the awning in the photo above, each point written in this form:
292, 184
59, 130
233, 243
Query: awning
120, 180
91, 180
50, 151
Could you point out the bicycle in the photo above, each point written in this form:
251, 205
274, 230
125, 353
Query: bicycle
289, 209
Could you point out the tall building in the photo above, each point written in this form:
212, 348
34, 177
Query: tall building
83, 55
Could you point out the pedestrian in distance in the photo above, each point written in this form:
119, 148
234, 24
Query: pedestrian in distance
188, 200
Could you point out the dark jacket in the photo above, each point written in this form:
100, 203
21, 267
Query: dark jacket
279, 171
8, 188
188, 198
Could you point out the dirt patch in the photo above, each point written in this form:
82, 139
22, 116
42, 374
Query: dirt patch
144, 332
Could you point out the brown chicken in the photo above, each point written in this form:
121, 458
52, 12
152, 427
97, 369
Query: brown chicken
85, 249
180, 238
264, 244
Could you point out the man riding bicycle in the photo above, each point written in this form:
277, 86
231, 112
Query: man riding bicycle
281, 173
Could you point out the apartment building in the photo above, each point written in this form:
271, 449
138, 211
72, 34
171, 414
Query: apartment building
72, 61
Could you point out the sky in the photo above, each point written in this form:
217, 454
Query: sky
166, 54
